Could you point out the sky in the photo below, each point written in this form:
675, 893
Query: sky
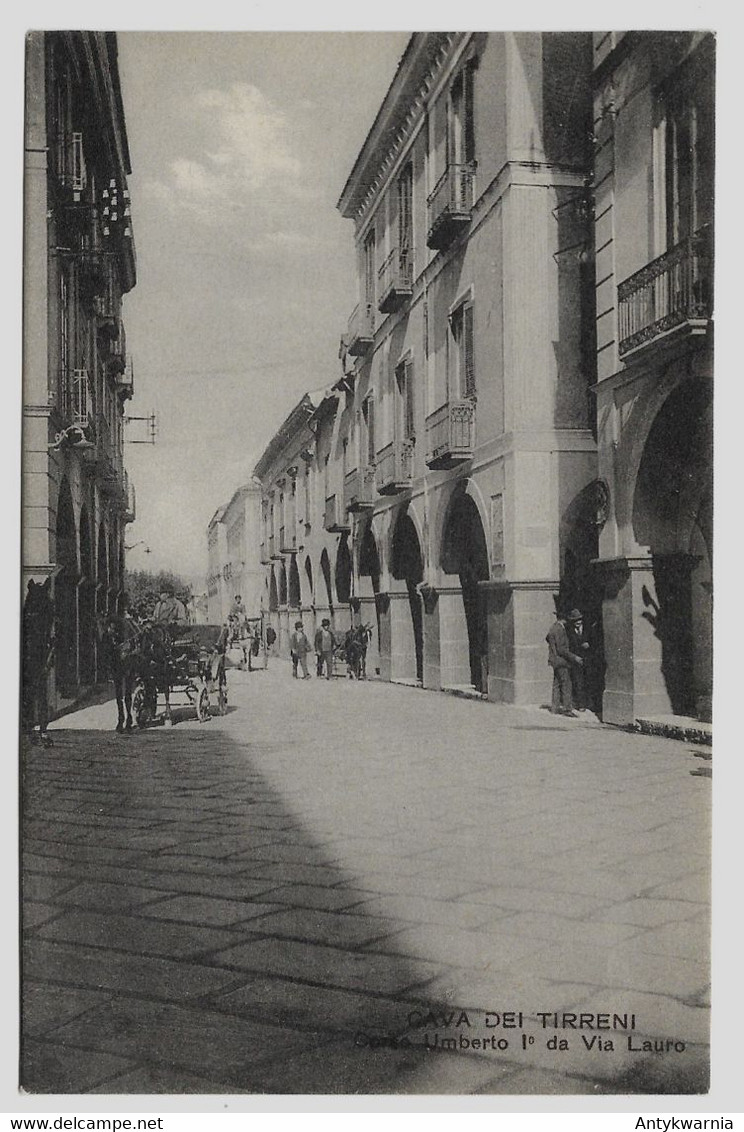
240, 145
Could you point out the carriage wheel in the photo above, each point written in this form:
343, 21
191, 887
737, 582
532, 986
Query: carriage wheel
141, 707
202, 705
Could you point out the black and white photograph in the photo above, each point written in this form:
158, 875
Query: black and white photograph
380, 363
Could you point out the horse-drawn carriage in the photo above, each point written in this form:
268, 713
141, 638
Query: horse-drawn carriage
182, 660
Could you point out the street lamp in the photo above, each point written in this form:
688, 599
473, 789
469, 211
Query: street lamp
138, 543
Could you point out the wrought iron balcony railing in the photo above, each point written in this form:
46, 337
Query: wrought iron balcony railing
394, 470
673, 293
395, 280
450, 205
334, 517
359, 489
360, 332
450, 434
77, 398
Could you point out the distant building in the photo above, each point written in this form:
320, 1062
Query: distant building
78, 262
653, 189
233, 555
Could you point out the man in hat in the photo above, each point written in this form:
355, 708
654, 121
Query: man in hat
299, 647
169, 610
561, 659
579, 646
325, 643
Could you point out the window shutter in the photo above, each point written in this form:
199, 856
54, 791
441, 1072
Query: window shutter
410, 421
468, 114
371, 442
468, 358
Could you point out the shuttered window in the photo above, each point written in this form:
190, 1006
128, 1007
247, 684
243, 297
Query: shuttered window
463, 383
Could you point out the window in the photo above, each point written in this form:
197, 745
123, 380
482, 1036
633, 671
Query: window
369, 420
684, 153
369, 273
462, 369
406, 406
405, 220
460, 119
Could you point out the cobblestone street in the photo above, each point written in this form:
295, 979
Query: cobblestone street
344, 887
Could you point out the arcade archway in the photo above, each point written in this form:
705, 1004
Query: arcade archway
294, 584
86, 601
465, 554
407, 566
65, 593
673, 517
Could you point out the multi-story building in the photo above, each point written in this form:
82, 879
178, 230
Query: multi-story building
79, 261
653, 189
233, 554
463, 452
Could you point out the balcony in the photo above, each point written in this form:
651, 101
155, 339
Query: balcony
360, 333
76, 400
72, 175
450, 435
359, 489
450, 205
288, 540
672, 297
334, 518
395, 281
394, 470
125, 381
108, 458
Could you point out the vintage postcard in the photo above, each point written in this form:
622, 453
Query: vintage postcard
367, 563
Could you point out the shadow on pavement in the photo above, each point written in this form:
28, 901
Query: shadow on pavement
183, 933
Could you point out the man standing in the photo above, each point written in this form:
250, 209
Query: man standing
579, 646
299, 647
325, 643
561, 660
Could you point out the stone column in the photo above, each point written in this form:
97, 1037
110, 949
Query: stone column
402, 640
519, 617
454, 647
635, 686
385, 642
432, 658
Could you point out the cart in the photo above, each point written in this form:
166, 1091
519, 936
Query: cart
183, 661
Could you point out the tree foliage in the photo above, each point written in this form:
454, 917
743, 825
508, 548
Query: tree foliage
144, 588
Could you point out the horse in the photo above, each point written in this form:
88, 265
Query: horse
119, 638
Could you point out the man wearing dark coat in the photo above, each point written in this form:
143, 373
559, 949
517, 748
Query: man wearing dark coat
561, 659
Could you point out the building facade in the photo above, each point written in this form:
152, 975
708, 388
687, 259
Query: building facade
79, 261
233, 538
464, 450
653, 189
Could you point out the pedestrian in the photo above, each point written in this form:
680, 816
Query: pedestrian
299, 647
37, 658
325, 643
579, 646
561, 660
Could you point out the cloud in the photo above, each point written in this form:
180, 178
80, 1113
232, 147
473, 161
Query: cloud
243, 158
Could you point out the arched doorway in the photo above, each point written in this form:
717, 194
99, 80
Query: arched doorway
465, 553
86, 601
580, 584
294, 584
343, 571
408, 567
673, 517
325, 569
309, 578
65, 593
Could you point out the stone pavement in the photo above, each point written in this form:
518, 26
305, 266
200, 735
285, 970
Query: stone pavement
345, 887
